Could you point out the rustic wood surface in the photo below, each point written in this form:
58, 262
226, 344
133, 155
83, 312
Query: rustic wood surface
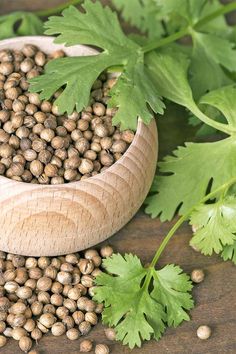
215, 298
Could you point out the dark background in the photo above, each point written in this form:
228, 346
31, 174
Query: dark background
215, 298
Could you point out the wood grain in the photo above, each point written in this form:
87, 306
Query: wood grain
215, 298
51, 220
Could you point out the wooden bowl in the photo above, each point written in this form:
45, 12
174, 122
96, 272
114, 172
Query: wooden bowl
39, 220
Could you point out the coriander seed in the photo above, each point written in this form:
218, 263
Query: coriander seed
86, 346
72, 334
204, 332
25, 344
84, 327
102, 349
58, 329
106, 251
197, 275
3, 341
110, 333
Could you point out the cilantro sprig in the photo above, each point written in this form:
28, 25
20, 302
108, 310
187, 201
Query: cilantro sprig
137, 312
140, 302
136, 91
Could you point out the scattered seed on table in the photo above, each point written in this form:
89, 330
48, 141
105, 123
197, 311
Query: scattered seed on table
203, 332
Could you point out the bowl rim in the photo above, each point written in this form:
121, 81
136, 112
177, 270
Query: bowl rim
140, 124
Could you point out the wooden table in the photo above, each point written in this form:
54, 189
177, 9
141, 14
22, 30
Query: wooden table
215, 298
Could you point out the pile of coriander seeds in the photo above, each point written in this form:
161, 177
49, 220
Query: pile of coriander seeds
42, 295
37, 144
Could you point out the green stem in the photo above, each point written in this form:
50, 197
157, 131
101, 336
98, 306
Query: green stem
57, 9
183, 218
164, 41
221, 11
225, 128
185, 31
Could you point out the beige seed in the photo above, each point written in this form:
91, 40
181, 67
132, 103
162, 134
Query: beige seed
197, 275
18, 261
26, 65
62, 312
24, 292
29, 50
86, 266
6, 68
101, 130
72, 334
8, 332
86, 346
3, 341
127, 136
44, 284
18, 333
74, 294
68, 321
86, 166
47, 320
47, 134
40, 58
119, 146
84, 328
35, 273
110, 334
36, 334
78, 317
2, 326
203, 332
30, 325
36, 168
99, 109
58, 329
51, 170
91, 317
25, 344
37, 308
82, 145
106, 251
57, 300
64, 277
102, 349
18, 308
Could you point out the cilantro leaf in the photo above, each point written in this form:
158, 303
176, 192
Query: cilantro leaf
216, 225
171, 289
221, 50
204, 129
205, 73
229, 253
72, 73
186, 176
124, 297
136, 312
190, 10
131, 99
209, 52
223, 99
208, 60
20, 23
78, 74
169, 70
143, 14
